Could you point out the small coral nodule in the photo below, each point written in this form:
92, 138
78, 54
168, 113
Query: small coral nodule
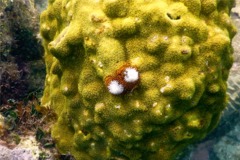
125, 79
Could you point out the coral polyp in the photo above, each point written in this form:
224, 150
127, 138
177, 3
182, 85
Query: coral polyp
135, 79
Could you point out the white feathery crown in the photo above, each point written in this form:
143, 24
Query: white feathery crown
131, 75
115, 87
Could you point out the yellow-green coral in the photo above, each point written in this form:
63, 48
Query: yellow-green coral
182, 52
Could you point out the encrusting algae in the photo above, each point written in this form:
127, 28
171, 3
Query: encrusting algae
135, 79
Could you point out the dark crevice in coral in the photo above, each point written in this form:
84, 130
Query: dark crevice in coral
173, 17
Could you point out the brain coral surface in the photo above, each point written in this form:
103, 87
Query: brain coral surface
135, 79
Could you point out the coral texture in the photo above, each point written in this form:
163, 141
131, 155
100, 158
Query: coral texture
181, 53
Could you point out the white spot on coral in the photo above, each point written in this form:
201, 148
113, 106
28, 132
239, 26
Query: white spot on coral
165, 38
162, 90
168, 106
154, 38
97, 1
100, 64
49, 79
206, 63
167, 78
158, 112
154, 104
68, 5
136, 121
89, 120
93, 61
152, 144
99, 107
137, 104
102, 133
137, 20
115, 87
93, 145
85, 113
118, 106
129, 135
65, 89
70, 14
131, 75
